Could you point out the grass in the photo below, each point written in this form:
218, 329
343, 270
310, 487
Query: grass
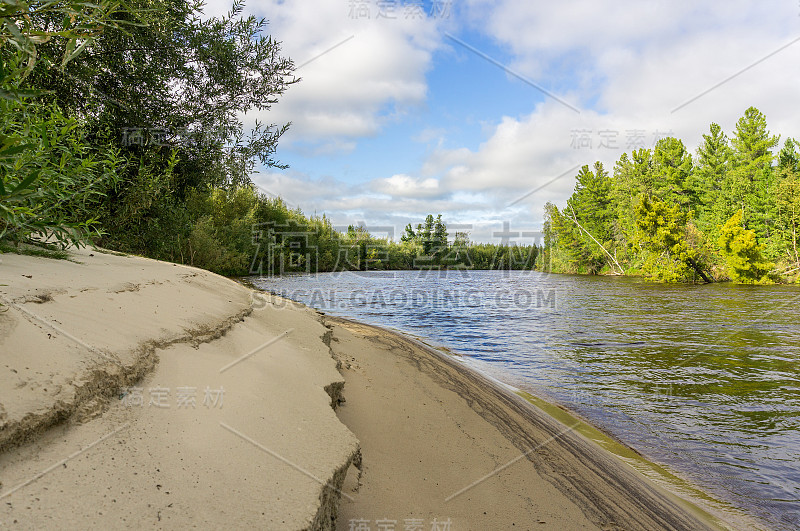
35, 249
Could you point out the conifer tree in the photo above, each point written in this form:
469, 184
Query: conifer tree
788, 202
749, 186
713, 164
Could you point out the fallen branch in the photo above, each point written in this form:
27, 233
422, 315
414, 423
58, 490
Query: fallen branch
575, 219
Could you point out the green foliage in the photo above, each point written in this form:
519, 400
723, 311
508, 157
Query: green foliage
74, 25
153, 85
50, 180
714, 159
663, 234
431, 235
181, 81
565, 248
742, 252
632, 178
672, 168
749, 186
787, 195
221, 239
661, 213
589, 210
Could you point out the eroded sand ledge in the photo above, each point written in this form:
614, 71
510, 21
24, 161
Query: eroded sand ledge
274, 454
263, 449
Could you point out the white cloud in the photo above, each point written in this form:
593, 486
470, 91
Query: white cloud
430, 134
357, 74
641, 60
636, 62
406, 186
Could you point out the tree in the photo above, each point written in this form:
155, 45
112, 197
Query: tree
663, 231
662, 211
788, 201
76, 25
632, 178
713, 164
50, 177
589, 208
425, 234
185, 76
672, 169
750, 183
409, 235
439, 239
173, 85
742, 252
564, 245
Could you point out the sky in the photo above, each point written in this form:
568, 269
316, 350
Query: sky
484, 110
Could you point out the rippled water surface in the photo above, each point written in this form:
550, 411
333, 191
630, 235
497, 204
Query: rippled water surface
702, 378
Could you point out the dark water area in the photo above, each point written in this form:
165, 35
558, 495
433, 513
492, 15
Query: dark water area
702, 378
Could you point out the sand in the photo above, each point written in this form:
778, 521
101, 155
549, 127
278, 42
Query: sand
204, 441
440, 442
135, 393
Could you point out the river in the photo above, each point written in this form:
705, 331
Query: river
701, 378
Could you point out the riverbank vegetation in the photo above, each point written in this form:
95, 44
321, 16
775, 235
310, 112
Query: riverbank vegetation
730, 212
120, 125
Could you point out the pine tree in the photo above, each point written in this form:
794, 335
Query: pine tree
663, 232
632, 178
409, 235
788, 202
749, 186
425, 234
439, 245
590, 210
672, 168
713, 164
563, 244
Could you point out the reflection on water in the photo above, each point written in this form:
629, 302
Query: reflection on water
703, 378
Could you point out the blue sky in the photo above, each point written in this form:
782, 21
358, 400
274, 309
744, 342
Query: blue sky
401, 119
466, 94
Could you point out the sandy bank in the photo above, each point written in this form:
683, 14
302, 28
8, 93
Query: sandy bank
440, 442
228, 423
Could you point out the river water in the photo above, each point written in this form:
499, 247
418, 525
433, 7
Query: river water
702, 378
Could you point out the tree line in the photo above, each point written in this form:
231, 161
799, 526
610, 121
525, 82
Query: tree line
731, 212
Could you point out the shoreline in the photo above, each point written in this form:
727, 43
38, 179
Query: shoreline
718, 512
519, 416
324, 419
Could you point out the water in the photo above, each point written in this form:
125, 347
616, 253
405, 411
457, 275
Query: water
701, 378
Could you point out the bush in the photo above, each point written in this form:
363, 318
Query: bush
743, 254
50, 181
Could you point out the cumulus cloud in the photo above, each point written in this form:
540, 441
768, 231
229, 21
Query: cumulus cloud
640, 60
406, 186
635, 70
357, 74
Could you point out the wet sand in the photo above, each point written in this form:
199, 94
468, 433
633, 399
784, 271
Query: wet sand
440, 441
